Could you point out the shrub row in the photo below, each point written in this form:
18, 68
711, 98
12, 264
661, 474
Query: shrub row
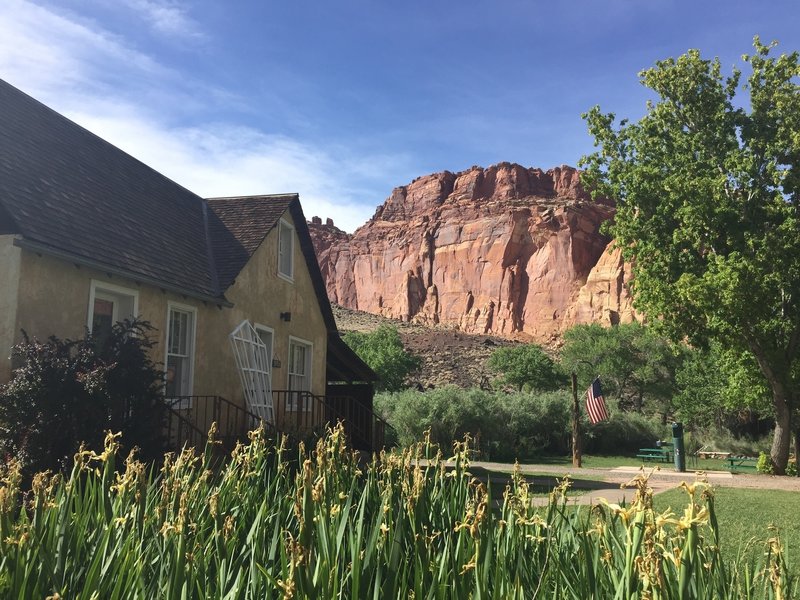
508, 426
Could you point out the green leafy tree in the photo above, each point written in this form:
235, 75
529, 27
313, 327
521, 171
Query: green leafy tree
383, 351
716, 383
707, 209
636, 364
70, 391
526, 365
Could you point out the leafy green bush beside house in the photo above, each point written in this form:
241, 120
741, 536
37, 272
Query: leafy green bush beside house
68, 392
448, 412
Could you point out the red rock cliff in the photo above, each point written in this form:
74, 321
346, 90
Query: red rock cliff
504, 250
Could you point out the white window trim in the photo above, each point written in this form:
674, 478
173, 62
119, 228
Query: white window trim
281, 224
114, 289
310, 365
190, 309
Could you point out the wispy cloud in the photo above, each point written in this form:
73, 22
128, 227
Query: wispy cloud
129, 98
227, 160
59, 56
166, 16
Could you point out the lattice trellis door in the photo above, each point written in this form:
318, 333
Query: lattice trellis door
252, 359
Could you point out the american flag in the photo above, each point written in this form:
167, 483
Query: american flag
595, 405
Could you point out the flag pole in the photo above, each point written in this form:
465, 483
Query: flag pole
576, 424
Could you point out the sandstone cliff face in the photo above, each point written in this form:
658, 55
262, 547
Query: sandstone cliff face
505, 250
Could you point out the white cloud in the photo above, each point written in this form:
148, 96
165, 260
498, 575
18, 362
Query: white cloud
56, 57
225, 160
96, 79
166, 16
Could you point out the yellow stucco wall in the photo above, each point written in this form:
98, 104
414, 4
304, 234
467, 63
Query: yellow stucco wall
54, 299
9, 280
260, 295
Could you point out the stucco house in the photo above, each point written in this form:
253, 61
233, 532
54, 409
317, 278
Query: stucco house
89, 235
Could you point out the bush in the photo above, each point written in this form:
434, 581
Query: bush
72, 391
449, 413
623, 433
764, 464
532, 424
383, 351
505, 426
721, 439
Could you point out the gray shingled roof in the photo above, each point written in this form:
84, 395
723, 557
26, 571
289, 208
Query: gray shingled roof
67, 191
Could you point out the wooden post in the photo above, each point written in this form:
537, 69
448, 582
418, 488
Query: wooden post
576, 424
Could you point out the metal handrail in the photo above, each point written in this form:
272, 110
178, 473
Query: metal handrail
299, 414
302, 412
183, 433
200, 412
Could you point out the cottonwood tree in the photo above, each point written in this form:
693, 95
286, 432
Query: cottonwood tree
526, 365
636, 365
718, 385
706, 184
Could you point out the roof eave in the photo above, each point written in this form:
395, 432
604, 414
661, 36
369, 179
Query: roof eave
41, 248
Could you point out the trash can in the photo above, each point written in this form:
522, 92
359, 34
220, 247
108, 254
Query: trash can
677, 445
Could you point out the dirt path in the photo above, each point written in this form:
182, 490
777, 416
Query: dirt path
591, 484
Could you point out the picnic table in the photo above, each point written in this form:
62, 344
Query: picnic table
661, 453
736, 463
713, 454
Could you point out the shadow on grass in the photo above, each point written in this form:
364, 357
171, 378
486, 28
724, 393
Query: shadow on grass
547, 460
540, 484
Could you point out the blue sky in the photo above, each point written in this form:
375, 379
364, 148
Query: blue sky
342, 100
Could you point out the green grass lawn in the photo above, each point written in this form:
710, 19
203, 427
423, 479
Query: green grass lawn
745, 516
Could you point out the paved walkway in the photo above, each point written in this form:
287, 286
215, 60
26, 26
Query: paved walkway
591, 484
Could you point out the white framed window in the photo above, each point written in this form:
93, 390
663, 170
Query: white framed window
285, 250
108, 304
179, 360
299, 373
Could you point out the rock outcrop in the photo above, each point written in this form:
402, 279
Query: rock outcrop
505, 250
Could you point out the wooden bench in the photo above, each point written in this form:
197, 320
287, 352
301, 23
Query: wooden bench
660, 454
737, 463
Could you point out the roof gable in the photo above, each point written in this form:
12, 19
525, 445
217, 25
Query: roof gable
239, 226
248, 220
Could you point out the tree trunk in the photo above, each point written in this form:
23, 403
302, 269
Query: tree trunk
782, 401
783, 435
577, 457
